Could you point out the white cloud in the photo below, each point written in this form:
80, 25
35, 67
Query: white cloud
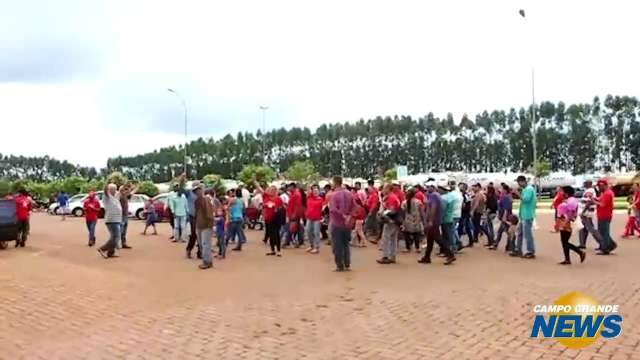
315, 62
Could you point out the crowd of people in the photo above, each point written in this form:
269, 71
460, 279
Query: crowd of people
451, 215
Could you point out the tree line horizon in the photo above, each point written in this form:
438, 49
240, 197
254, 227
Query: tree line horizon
580, 138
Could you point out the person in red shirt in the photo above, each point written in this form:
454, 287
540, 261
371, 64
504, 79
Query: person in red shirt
557, 201
359, 215
420, 195
295, 210
397, 190
273, 214
24, 205
391, 205
372, 206
604, 213
91, 210
314, 219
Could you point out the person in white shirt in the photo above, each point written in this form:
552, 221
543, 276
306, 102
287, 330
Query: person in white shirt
586, 210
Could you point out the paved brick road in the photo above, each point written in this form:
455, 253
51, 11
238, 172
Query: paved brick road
61, 300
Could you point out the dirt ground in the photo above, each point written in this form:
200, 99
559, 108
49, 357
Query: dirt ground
60, 300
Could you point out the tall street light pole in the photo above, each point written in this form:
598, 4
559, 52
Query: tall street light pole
264, 130
184, 106
534, 141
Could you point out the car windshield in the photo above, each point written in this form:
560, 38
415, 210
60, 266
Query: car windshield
77, 197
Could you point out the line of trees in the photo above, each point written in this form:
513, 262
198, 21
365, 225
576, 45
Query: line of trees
581, 138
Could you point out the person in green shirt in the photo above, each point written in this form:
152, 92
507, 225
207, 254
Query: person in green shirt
448, 215
527, 214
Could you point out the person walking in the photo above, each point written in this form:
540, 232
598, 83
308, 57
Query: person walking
373, 205
151, 217
604, 213
24, 206
271, 206
125, 195
458, 199
448, 214
112, 219
340, 224
557, 201
478, 206
464, 226
505, 210
179, 208
567, 213
527, 214
314, 219
91, 211
295, 210
63, 204
204, 225
359, 215
392, 219
191, 197
433, 220
586, 211
490, 215
236, 219
412, 226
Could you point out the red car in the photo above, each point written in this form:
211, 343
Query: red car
160, 203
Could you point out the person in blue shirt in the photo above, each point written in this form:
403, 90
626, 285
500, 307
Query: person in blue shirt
236, 219
63, 204
191, 218
505, 209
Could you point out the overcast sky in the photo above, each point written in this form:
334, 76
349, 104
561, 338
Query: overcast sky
84, 80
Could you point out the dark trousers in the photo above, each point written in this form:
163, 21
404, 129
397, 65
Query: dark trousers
23, 231
123, 228
502, 229
477, 226
565, 236
193, 237
588, 228
272, 230
434, 236
340, 239
412, 239
464, 227
299, 236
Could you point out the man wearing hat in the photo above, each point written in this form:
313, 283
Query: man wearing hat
527, 215
433, 220
191, 196
604, 213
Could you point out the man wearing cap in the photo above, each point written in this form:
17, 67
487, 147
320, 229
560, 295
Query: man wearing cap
433, 220
527, 215
191, 196
586, 213
604, 213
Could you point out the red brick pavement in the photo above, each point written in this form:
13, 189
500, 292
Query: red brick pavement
61, 300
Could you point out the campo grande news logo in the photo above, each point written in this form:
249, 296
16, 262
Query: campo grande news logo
576, 320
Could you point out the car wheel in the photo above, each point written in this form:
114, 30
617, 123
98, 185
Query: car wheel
56, 211
140, 214
3, 245
78, 212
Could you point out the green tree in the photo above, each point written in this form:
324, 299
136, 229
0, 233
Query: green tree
117, 178
390, 175
214, 181
262, 174
148, 188
73, 185
302, 171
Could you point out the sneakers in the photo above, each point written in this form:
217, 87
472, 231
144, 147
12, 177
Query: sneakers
314, 251
126, 247
424, 261
102, 253
450, 260
565, 263
205, 266
384, 261
529, 256
309, 249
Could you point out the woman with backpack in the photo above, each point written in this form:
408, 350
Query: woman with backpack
567, 213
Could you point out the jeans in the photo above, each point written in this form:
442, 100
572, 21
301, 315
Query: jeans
390, 240
525, 229
204, 238
180, 227
604, 228
340, 238
123, 229
456, 235
313, 233
23, 231
300, 234
235, 228
91, 227
114, 236
222, 240
502, 229
588, 228
450, 231
488, 227
464, 227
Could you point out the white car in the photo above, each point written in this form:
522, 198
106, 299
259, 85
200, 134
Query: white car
54, 209
136, 205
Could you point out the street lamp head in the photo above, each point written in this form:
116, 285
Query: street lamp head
521, 12
171, 90
264, 108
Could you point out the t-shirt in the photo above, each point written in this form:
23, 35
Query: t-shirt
434, 204
92, 208
124, 204
505, 206
23, 207
391, 202
373, 200
270, 205
314, 208
112, 209
294, 207
449, 209
528, 203
587, 208
63, 200
246, 195
457, 204
605, 210
236, 211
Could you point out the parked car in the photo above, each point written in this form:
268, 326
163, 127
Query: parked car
54, 209
8, 222
160, 202
136, 206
